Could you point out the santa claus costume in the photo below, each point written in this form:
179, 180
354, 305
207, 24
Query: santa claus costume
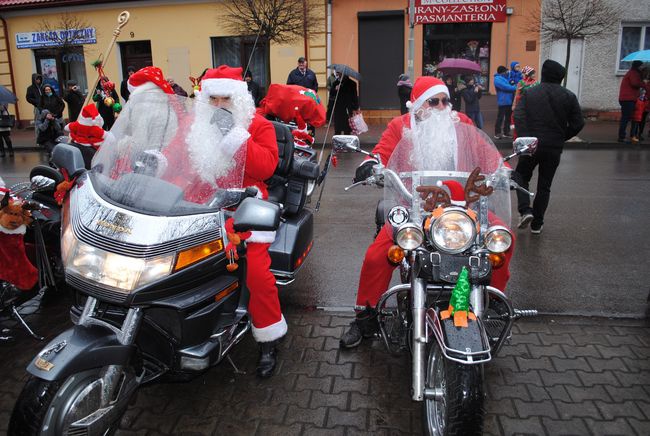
377, 270
258, 134
87, 133
15, 267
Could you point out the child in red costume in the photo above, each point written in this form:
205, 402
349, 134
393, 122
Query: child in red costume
376, 271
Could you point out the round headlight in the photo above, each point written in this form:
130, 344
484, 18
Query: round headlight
498, 239
409, 236
453, 232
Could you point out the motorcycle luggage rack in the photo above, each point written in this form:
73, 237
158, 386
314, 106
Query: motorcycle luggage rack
461, 356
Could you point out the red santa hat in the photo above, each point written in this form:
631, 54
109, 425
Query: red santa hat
87, 130
424, 88
222, 81
456, 191
147, 79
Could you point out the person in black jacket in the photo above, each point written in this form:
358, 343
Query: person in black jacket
105, 111
75, 100
404, 87
253, 87
471, 96
51, 102
34, 93
343, 103
303, 76
124, 87
551, 113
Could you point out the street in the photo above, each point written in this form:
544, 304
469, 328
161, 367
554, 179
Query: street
566, 372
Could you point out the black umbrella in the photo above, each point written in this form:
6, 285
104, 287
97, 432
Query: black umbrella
6, 96
345, 70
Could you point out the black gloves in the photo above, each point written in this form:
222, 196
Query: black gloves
364, 171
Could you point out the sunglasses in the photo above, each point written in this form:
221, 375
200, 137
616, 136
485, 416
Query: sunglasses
435, 101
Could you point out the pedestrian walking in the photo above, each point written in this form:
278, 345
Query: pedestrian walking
74, 99
404, 87
124, 86
178, 89
344, 93
33, 95
627, 96
253, 87
49, 129
5, 134
471, 96
637, 116
51, 101
551, 113
454, 92
303, 76
505, 96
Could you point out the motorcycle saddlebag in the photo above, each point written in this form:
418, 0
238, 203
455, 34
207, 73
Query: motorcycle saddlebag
292, 244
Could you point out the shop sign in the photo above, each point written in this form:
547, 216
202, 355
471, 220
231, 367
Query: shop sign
459, 11
56, 37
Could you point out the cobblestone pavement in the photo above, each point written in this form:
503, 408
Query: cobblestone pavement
559, 375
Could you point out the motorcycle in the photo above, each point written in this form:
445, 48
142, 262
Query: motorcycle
144, 244
447, 249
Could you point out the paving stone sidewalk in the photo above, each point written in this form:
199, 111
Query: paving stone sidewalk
559, 375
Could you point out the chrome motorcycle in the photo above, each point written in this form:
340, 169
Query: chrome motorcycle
438, 235
144, 245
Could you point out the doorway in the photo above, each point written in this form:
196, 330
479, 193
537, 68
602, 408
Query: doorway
574, 72
135, 54
381, 58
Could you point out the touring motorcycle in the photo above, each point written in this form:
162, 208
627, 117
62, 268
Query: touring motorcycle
144, 242
443, 242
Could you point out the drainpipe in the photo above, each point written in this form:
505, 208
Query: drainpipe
11, 70
329, 36
304, 29
411, 47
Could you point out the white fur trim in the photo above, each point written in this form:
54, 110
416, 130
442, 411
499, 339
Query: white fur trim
234, 139
147, 86
222, 87
98, 121
430, 93
409, 103
18, 231
262, 237
271, 332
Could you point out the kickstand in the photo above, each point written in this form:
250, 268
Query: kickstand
20, 319
237, 370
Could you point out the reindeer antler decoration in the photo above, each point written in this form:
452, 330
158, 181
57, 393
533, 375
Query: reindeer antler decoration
473, 185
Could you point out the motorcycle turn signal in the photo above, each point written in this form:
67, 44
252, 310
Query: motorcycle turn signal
497, 259
395, 254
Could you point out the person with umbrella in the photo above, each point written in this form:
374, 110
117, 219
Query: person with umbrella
343, 103
627, 96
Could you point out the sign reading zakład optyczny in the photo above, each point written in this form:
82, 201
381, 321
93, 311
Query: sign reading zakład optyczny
56, 37
459, 11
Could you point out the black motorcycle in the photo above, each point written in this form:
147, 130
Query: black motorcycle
447, 249
143, 244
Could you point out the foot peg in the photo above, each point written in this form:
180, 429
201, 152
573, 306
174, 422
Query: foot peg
524, 313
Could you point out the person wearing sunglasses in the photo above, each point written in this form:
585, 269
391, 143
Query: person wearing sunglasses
430, 116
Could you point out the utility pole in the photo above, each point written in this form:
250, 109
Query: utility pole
411, 47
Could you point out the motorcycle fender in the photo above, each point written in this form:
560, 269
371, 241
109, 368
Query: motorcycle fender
465, 339
78, 349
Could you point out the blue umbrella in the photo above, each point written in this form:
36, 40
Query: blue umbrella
643, 55
6, 96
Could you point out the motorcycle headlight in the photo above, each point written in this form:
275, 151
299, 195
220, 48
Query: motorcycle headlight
453, 231
409, 236
498, 239
122, 273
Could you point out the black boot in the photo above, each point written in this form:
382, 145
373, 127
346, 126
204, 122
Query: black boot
364, 326
268, 359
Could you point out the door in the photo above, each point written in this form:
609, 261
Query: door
135, 54
574, 71
381, 58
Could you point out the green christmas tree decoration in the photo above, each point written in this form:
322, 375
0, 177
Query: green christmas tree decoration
117, 108
459, 301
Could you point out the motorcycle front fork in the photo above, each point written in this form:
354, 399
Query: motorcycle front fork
420, 336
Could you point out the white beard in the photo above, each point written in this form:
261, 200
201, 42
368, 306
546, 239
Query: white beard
206, 157
434, 141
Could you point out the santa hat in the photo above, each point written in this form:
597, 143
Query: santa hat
424, 88
89, 116
527, 70
456, 191
147, 79
222, 81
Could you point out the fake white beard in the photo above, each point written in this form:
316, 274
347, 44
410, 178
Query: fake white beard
152, 127
434, 141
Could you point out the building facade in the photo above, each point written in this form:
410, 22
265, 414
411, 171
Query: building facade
181, 37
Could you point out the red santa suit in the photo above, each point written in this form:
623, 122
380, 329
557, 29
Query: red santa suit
87, 130
15, 267
261, 161
377, 270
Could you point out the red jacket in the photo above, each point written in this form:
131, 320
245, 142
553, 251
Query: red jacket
640, 107
630, 86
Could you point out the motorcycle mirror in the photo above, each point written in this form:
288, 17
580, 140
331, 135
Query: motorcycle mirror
525, 145
40, 183
256, 214
68, 157
343, 142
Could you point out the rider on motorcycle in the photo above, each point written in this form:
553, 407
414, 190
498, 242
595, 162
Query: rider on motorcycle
431, 116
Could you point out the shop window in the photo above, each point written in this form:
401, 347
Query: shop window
632, 37
58, 65
236, 52
458, 40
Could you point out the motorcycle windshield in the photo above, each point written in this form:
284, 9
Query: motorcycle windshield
170, 155
431, 160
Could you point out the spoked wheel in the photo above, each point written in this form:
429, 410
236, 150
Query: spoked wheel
49, 408
458, 406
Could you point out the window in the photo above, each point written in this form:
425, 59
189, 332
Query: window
235, 51
633, 37
58, 65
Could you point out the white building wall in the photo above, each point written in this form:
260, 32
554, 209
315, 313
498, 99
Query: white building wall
600, 83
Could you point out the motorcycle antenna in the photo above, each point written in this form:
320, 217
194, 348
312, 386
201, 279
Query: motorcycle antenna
250, 58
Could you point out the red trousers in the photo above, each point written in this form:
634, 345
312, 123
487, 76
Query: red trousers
377, 270
264, 303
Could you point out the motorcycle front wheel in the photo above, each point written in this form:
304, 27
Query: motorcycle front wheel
460, 407
49, 408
